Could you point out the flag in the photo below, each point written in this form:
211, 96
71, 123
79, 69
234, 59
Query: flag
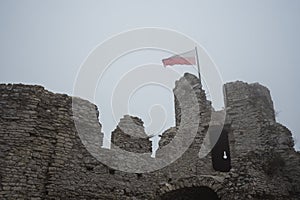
187, 58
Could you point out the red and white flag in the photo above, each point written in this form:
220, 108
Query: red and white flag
187, 58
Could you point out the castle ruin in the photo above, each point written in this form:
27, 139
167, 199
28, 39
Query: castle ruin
42, 155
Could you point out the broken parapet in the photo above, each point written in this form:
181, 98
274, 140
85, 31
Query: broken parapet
192, 113
44, 156
130, 135
187, 88
242, 99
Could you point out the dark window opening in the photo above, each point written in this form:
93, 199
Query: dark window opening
89, 168
111, 171
139, 176
221, 159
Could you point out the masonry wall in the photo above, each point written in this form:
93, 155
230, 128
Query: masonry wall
250, 107
130, 136
34, 124
259, 140
42, 155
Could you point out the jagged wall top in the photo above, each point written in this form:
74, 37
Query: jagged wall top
255, 96
42, 156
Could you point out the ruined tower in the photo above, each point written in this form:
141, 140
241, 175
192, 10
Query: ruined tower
42, 155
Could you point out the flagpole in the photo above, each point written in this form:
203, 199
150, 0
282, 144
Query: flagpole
198, 65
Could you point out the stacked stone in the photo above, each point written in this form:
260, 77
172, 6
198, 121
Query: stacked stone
167, 137
192, 112
256, 95
283, 160
130, 136
250, 107
24, 150
48, 148
262, 147
188, 87
249, 180
33, 125
191, 109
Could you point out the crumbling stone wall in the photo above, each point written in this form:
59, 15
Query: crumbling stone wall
260, 142
250, 107
42, 156
130, 136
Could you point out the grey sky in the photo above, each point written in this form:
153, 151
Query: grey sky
45, 42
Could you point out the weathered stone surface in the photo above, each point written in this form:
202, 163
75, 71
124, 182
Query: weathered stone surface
42, 156
130, 135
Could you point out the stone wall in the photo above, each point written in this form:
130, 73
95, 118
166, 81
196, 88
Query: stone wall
130, 136
43, 156
250, 107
